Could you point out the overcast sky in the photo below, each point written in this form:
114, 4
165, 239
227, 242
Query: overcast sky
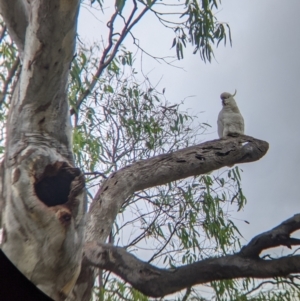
263, 64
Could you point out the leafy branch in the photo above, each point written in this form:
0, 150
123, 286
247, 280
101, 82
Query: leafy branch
111, 50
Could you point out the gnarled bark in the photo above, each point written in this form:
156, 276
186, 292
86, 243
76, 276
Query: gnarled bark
162, 169
157, 282
159, 170
43, 196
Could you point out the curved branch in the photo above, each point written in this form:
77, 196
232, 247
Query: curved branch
278, 236
162, 169
157, 282
191, 161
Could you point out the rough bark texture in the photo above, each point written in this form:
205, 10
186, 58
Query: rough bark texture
160, 282
43, 196
159, 170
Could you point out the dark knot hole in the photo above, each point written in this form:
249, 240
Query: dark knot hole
53, 187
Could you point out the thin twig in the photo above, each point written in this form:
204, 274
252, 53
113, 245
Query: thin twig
101, 67
187, 293
96, 173
105, 62
10, 75
166, 243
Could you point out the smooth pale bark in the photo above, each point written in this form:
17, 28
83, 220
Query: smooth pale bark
43, 195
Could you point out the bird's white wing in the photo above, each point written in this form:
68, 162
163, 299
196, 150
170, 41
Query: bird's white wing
233, 124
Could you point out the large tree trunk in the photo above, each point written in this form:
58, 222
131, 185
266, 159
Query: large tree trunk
43, 197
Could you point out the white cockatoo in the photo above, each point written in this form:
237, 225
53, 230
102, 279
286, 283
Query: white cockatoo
230, 120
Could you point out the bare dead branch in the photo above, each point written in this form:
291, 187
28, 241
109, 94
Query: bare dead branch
156, 58
278, 236
157, 282
162, 169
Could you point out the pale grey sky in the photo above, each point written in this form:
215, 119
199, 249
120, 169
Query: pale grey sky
264, 66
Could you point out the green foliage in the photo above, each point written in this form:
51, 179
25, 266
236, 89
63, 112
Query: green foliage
201, 28
250, 290
192, 21
129, 116
9, 63
100, 2
120, 5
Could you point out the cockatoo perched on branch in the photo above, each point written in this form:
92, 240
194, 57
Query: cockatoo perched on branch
230, 120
